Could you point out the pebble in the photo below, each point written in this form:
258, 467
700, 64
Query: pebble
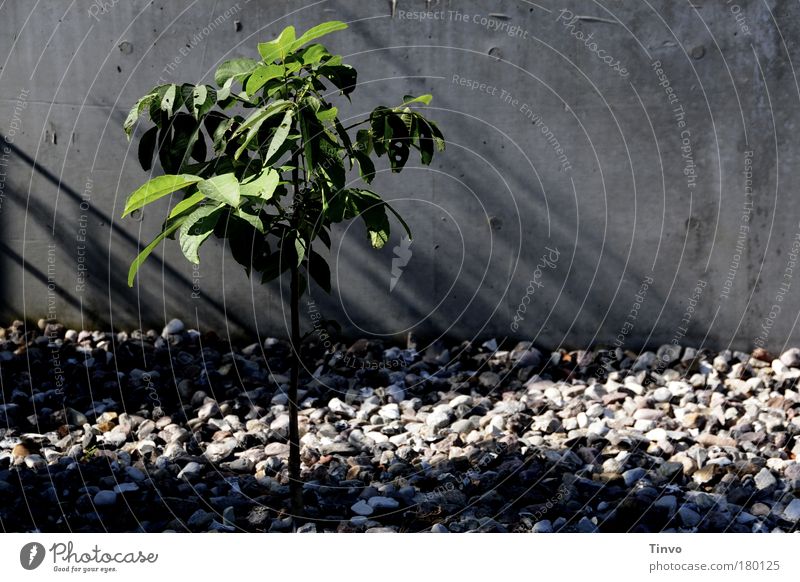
219, 451
791, 358
191, 470
632, 476
362, 508
662, 395
459, 430
175, 326
543, 526
380, 502
440, 417
689, 517
105, 498
764, 479
792, 511
126, 488
668, 503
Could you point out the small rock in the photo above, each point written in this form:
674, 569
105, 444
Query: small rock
105, 498
543, 526
199, 520
362, 508
689, 517
705, 474
277, 450
340, 407
175, 326
126, 488
190, 471
764, 480
632, 476
489, 379
791, 357
208, 410
219, 451
792, 511
720, 364
440, 417
662, 394
760, 509
656, 435
668, 503
380, 502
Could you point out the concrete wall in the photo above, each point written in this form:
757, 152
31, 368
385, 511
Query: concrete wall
650, 146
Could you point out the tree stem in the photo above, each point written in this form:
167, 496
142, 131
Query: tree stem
295, 485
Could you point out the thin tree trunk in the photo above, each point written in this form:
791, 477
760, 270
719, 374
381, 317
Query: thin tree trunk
295, 485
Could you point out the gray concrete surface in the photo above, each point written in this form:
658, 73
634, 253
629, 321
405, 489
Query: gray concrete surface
624, 171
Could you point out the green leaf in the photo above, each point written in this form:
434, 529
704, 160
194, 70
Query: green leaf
365, 166
235, 69
147, 146
398, 155
378, 228
254, 122
197, 227
142, 104
157, 188
438, 138
137, 262
253, 219
200, 100
186, 204
318, 269
344, 136
426, 142
324, 236
327, 114
426, 99
225, 90
314, 54
280, 134
275, 264
168, 100
217, 126
223, 188
279, 48
317, 32
261, 75
364, 141
262, 185
399, 219
330, 162
373, 211
300, 249
343, 76
248, 247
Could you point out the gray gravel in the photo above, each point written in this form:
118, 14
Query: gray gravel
175, 430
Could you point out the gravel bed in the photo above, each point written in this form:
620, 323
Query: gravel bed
180, 431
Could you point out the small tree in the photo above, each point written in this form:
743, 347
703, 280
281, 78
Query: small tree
282, 131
